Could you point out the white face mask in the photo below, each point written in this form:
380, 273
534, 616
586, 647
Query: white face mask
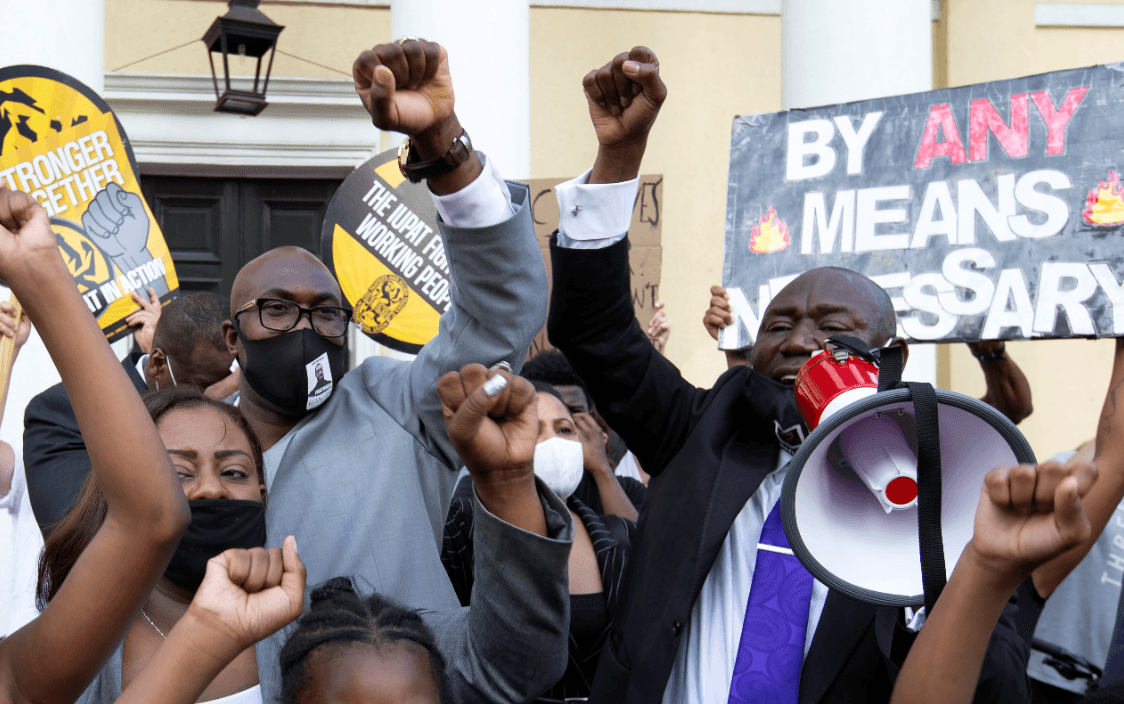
559, 463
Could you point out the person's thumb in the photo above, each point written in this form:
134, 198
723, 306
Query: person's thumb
477, 405
648, 76
1069, 513
294, 575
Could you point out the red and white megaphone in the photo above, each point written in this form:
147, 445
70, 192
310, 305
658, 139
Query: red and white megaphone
851, 505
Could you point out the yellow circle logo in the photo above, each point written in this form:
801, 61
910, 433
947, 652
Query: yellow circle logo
385, 299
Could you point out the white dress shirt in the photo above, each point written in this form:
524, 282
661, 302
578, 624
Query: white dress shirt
483, 203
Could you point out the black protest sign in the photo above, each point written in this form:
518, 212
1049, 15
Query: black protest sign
380, 239
991, 211
60, 143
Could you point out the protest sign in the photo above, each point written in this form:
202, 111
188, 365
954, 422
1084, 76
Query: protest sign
645, 257
61, 143
380, 239
991, 211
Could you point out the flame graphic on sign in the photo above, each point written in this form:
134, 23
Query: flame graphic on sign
1105, 204
769, 235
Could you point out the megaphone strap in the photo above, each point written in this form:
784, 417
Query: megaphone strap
928, 491
889, 367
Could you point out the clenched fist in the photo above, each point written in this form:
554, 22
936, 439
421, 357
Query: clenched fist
625, 96
1029, 514
405, 86
492, 420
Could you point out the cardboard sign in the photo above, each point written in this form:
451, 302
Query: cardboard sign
380, 239
645, 258
992, 211
61, 143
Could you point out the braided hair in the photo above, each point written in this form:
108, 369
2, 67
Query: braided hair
339, 616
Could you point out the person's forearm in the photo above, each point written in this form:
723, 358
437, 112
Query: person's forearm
182, 668
1008, 390
514, 501
613, 498
1101, 501
620, 163
128, 458
943, 666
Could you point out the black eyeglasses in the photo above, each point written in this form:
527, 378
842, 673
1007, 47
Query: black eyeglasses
280, 315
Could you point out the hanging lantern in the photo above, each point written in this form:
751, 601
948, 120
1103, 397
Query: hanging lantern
243, 31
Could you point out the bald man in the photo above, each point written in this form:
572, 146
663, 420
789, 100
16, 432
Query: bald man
358, 465
716, 611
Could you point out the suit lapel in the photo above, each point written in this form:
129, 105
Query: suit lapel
842, 625
743, 466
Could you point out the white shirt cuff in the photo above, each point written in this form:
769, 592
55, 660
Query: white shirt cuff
483, 203
592, 216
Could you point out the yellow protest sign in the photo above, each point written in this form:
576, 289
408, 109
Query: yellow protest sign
380, 239
61, 143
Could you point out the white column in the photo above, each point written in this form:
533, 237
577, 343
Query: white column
489, 56
66, 35
69, 36
837, 51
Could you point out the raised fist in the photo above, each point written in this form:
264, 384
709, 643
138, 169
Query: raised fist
492, 419
116, 220
624, 97
247, 595
405, 85
1029, 514
26, 239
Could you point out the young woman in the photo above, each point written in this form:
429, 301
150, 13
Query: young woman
54, 657
218, 461
598, 556
350, 648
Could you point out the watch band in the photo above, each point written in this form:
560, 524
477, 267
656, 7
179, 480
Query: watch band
415, 170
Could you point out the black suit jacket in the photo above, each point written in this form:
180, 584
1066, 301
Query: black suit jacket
708, 451
54, 453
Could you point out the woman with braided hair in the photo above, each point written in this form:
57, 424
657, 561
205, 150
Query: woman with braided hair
368, 647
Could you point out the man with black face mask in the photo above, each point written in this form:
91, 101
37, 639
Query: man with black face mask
358, 466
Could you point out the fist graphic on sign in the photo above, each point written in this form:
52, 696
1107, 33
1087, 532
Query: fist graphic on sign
117, 222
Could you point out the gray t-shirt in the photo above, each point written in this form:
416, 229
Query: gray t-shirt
1080, 614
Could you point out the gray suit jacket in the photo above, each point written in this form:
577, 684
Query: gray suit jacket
365, 482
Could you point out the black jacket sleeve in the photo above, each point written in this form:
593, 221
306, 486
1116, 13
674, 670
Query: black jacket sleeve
639, 392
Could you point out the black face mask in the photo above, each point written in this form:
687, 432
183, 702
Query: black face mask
217, 525
294, 373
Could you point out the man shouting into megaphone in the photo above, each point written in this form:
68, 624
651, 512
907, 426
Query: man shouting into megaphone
719, 610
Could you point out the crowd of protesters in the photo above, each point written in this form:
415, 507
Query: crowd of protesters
232, 515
